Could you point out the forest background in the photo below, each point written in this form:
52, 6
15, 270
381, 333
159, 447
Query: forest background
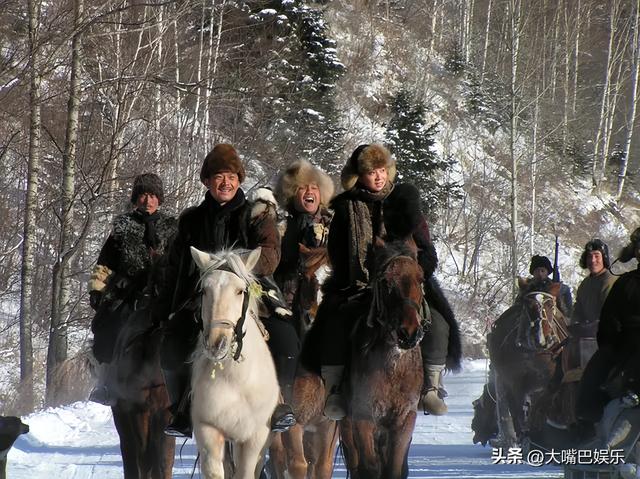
517, 119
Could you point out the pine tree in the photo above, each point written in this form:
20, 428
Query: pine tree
412, 142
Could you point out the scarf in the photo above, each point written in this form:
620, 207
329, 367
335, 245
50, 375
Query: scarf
219, 229
365, 222
150, 238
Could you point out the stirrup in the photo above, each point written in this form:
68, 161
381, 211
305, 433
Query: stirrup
180, 426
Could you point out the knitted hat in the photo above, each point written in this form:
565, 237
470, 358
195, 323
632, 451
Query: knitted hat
301, 173
367, 158
540, 262
595, 245
223, 157
629, 251
147, 183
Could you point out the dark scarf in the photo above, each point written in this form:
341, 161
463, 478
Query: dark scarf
151, 238
299, 230
365, 222
219, 231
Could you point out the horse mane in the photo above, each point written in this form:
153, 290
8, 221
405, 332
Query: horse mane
228, 259
231, 258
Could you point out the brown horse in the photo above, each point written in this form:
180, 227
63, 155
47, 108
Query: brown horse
141, 411
306, 451
385, 375
524, 344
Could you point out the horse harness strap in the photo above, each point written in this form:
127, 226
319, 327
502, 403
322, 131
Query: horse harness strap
225, 323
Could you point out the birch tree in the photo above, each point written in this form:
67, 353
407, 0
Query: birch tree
633, 99
31, 207
57, 351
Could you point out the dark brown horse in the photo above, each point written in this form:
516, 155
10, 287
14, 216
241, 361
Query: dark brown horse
385, 374
306, 451
141, 412
523, 346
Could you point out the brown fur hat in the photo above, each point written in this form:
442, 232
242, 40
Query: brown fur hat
300, 173
366, 158
223, 157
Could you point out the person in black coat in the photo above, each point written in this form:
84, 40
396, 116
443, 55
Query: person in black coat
372, 205
618, 338
224, 219
121, 281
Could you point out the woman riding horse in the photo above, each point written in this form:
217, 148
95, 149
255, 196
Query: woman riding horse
360, 213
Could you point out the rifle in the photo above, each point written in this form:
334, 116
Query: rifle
556, 270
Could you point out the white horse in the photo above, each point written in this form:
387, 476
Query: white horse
234, 384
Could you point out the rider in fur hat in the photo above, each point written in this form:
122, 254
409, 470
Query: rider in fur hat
120, 278
225, 218
373, 205
304, 191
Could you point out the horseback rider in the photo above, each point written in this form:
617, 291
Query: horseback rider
593, 290
618, 338
363, 211
540, 268
224, 219
304, 191
120, 281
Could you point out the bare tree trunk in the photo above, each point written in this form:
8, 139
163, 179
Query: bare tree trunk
57, 352
554, 54
635, 52
487, 29
31, 206
604, 105
567, 78
534, 171
576, 56
514, 12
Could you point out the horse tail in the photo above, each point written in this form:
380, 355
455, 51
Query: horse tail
438, 301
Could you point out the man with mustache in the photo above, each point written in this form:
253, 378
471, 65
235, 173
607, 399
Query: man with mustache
224, 219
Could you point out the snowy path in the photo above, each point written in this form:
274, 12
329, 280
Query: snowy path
79, 442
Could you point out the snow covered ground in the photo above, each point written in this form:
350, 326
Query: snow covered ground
79, 441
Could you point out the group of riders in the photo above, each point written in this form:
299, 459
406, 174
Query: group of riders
146, 263
603, 328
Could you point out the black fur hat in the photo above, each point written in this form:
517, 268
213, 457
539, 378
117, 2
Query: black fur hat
538, 261
147, 183
595, 245
629, 251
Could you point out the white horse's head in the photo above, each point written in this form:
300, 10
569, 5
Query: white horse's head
225, 280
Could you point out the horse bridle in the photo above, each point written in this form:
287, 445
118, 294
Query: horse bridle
238, 333
421, 309
543, 316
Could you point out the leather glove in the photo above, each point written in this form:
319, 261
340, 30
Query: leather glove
95, 297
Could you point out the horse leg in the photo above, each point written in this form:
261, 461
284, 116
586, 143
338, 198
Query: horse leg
161, 447
349, 450
277, 457
248, 454
210, 443
326, 439
506, 430
369, 466
399, 442
293, 441
129, 441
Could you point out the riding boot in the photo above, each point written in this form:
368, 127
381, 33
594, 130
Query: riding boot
334, 407
177, 383
283, 418
433, 394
